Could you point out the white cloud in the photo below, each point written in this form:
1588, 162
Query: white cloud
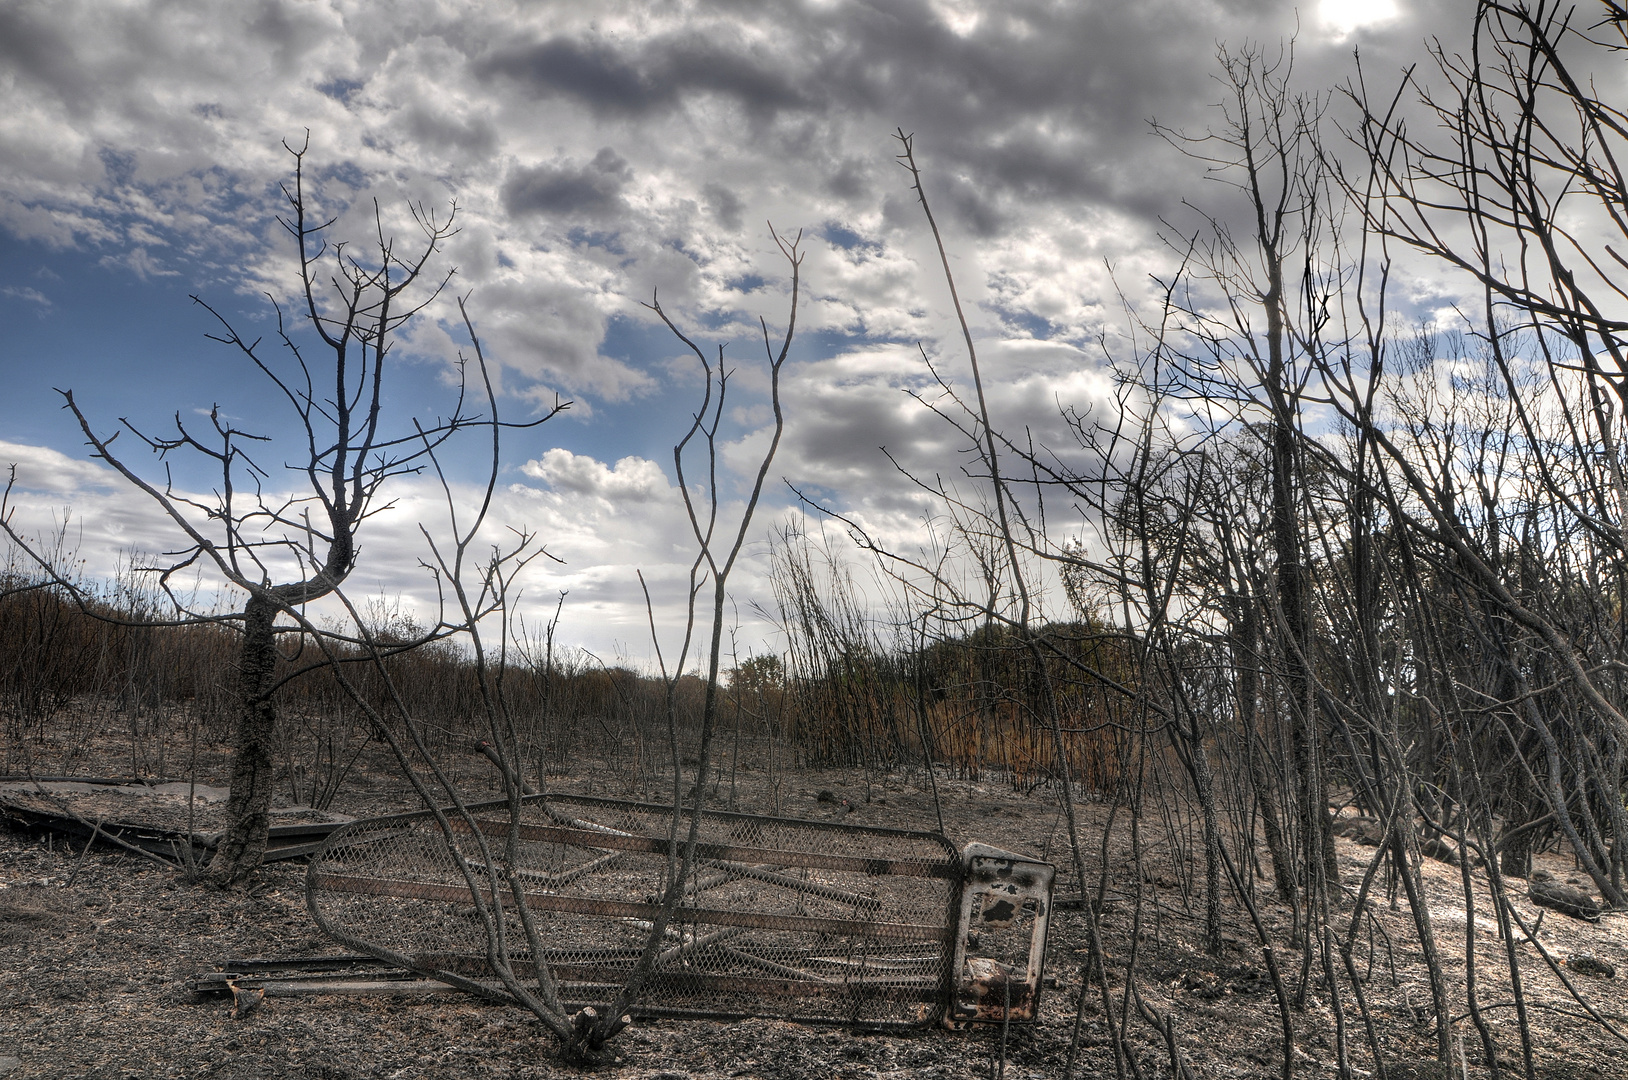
605, 525
1344, 17
632, 479
42, 470
29, 295
139, 262
600, 152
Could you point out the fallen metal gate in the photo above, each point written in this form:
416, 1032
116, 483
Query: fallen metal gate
802, 920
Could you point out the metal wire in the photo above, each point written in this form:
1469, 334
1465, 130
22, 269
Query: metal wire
804, 920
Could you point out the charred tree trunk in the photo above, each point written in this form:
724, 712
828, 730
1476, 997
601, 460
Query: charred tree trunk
1198, 765
248, 807
1246, 653
1292, 595
1521, 820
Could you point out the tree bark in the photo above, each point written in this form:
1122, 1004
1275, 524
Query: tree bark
248, 807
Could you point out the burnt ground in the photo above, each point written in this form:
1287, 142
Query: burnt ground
97, 950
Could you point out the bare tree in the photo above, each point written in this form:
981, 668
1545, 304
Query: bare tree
284, 546
1522, 194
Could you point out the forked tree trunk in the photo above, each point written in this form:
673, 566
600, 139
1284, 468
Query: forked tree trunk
248, 807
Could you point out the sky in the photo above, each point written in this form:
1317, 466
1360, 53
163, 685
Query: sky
599, 154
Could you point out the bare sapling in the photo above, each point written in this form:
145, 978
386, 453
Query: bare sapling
717, 551
480, 589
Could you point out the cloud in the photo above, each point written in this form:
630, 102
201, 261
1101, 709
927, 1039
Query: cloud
545, 326
43, 470
565, 190
28, 295
140, 263
1347, 16
653, 75
724, 205
630, 480
603, 525
600, 152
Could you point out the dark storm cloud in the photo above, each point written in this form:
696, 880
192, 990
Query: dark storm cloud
724, 205
1026, 102
30, 45
566, 190
851, 179
472, 137
643, 77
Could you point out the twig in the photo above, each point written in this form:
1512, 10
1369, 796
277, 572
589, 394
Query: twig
95, 830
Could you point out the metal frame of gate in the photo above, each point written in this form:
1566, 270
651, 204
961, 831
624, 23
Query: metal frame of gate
812, 921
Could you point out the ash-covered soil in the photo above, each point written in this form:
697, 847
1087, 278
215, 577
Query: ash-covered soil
96, 951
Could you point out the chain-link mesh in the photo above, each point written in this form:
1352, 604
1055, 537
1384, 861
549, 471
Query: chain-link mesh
781, 918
